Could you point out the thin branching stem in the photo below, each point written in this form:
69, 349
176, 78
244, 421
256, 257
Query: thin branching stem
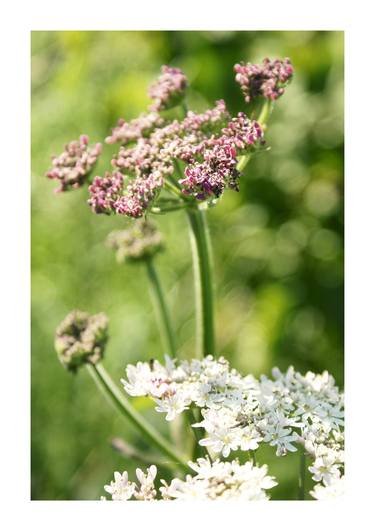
161, 309
122, 404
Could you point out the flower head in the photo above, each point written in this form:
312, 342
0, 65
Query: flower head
207, 179
81, 338
267, 79
127, 132
72, 167
141, 240
169, 89
241, 413
104, 191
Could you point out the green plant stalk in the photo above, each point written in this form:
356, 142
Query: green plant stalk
120, 402
198, 433
302, 475
161, 309
203, 277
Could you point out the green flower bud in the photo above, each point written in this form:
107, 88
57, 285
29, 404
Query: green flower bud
141, 241
81, 338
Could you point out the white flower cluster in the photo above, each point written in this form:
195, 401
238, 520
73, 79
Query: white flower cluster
239, 413
333, 490
121, 489
213, 481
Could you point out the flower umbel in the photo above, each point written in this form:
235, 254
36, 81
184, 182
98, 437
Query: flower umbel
81, 338
141, 240
169, 89
267, 79
75, 163
212, 481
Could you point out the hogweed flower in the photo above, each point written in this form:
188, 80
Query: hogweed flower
268, 79
139, 195
127, 132
209, 178
104, 191
81, 338
335, 489
241, 413
169, 89
212, 481
73, 166
140, 241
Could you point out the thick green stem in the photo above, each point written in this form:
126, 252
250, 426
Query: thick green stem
114, 395
265, 113
302, 474
161, 309
204, 291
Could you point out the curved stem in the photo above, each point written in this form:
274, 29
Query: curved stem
161, 309
204, 291
165, 209
114, 395
171, 187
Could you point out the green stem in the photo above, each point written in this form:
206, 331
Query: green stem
170, 186
252, 454
165, 209
301, 479
204, 291
199, 433
161, 309
265, 113
114, 395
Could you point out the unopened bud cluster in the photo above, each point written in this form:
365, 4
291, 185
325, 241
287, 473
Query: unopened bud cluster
140, 241
81, 338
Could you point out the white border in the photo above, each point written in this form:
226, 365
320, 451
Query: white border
20, 18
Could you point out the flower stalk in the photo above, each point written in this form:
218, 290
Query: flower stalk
161, 309
114, 395
204, 290
302, 474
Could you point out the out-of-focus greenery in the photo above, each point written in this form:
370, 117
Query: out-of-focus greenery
278, 244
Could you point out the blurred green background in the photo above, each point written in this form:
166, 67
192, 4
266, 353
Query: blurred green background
278, 244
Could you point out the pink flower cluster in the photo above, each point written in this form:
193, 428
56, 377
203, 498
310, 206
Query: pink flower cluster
209, 178
267, 80
108, 195
104, 192
169, 89
207, 142
155, 149
127, 132
75, 163
219, 167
